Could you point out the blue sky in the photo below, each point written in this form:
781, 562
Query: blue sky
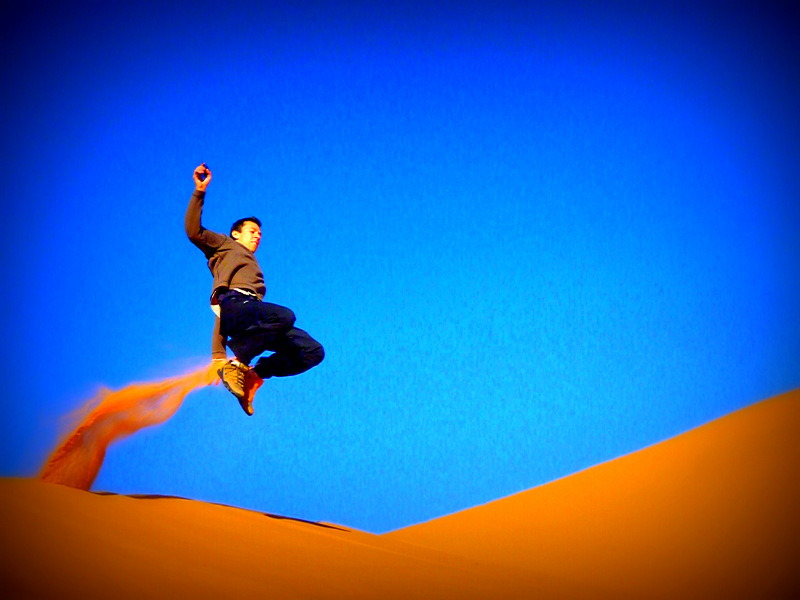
531, 239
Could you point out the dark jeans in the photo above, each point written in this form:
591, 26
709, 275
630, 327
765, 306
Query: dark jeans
255, 327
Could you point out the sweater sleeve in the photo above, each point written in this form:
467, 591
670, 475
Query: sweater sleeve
206, 240
218, 342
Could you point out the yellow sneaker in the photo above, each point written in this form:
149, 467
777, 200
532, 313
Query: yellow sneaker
232, 375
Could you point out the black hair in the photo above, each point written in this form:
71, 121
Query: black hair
237, 226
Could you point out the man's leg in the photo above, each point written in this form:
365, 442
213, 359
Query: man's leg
294, 353
255, 327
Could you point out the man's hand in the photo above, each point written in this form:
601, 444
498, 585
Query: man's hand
198, 172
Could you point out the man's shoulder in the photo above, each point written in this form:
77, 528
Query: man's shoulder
224, 245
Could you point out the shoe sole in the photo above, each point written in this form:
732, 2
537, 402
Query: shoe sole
243, 404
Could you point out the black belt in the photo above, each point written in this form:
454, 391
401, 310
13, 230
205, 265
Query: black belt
245, 294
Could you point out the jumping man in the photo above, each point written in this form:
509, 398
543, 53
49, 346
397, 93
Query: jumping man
245, 323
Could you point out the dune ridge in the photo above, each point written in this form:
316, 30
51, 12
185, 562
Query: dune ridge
710, 513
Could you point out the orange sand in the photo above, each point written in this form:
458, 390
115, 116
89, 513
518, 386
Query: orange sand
712, 513
112, 416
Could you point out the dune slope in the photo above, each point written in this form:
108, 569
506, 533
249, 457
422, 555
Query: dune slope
62, 542
714, 512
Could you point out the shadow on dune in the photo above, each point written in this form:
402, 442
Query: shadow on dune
270, 515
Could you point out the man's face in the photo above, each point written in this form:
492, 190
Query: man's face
249, 236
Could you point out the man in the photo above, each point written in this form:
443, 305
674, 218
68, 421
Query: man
247, 324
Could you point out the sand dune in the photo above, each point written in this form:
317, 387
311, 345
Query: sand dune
711, 513
62, 542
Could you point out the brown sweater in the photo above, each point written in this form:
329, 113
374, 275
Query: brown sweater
231, 264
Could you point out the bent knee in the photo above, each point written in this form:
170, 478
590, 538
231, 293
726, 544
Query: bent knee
287, 318
315, 355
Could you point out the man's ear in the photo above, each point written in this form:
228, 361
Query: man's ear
235, 234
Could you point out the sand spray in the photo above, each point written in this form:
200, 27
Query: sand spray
113, 415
